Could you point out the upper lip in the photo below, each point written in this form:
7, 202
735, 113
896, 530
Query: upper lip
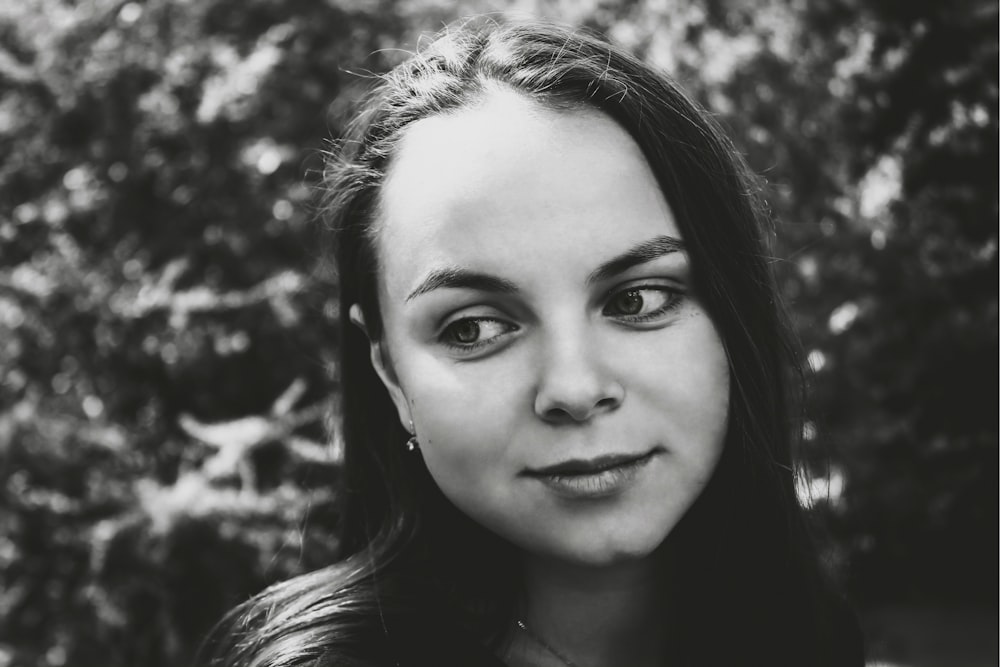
588, 466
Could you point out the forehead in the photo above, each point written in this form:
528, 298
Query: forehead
508, 181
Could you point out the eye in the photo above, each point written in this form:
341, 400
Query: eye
642, 303
470, 333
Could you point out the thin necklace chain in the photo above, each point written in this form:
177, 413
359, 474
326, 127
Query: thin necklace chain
544, 644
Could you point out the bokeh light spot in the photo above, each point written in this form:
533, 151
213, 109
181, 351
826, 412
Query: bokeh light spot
93, 406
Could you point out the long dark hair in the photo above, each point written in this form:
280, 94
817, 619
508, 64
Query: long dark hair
750, 590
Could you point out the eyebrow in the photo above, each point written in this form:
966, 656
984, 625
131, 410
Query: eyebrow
456, 278
462, 278
647, 251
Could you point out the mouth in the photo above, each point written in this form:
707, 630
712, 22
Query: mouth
593, 479
580, 467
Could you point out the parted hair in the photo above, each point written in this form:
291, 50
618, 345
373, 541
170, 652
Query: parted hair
743, 571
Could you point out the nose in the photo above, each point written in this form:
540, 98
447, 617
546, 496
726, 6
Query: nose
574, 384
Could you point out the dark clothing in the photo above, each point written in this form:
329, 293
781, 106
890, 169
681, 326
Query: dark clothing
430, 642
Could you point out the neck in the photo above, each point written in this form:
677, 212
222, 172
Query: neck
595, 616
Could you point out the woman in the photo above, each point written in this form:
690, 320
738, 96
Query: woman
566, 408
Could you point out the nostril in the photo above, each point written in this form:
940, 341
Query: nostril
607, 403
559, 416
568, 413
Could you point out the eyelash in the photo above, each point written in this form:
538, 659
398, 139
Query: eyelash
471, 347
674, 299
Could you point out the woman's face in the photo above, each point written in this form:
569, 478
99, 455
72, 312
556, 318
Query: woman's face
568, 390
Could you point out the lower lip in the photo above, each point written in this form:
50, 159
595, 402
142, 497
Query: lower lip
601, 484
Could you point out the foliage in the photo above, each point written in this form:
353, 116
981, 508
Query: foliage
909, 395
167, 325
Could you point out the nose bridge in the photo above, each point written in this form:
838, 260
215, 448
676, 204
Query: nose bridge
574, 382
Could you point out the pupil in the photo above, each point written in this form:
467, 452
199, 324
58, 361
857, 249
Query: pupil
631, 302
467, 332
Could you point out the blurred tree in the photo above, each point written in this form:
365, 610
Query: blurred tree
167, 330
910, 285
158, 287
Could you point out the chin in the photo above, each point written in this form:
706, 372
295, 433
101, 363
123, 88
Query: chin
612, 552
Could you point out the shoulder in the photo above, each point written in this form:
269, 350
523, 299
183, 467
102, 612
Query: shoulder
343, 616
321, 618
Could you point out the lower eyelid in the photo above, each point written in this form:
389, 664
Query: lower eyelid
507, 326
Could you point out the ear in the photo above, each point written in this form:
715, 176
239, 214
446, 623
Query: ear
382, 364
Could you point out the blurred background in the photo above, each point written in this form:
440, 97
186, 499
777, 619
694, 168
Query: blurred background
168, 327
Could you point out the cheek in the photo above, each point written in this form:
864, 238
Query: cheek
684, 382
705, 399
464, 417
466, 451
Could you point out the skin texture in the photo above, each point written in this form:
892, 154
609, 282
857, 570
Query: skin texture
559, 366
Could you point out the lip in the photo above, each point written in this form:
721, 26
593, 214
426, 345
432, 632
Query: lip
599, 477
587, 466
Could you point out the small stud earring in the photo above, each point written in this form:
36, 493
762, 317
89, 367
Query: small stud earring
412, 445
